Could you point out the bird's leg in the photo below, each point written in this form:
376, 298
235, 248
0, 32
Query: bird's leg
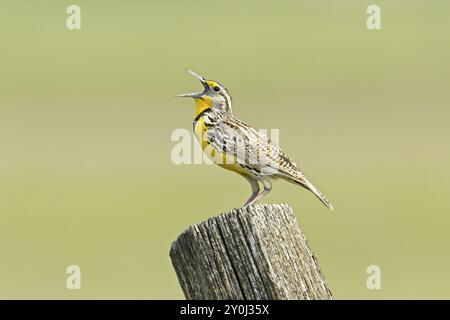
255, 191
267, 188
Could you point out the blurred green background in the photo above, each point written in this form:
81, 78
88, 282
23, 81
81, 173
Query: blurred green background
86, 116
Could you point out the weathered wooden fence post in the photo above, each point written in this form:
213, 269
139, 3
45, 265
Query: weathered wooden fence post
257, 252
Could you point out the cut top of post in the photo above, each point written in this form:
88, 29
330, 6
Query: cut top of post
255, 252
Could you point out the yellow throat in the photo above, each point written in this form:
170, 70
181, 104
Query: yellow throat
202, 103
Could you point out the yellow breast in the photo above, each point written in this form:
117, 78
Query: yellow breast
218, 157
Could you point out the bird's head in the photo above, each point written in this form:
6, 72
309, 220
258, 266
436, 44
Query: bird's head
214, 95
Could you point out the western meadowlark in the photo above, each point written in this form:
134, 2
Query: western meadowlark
236, 146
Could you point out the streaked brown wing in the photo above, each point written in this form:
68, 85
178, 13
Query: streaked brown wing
251, 148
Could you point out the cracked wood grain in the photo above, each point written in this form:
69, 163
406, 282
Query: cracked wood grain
257, 252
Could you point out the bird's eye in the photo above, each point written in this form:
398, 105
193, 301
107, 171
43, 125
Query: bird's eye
216, 89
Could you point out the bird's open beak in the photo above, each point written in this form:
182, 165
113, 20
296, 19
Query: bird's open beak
195, 95
190, 95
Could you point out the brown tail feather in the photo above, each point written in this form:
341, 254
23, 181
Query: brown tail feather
308, 185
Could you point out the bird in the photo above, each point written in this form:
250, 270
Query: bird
236, 146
